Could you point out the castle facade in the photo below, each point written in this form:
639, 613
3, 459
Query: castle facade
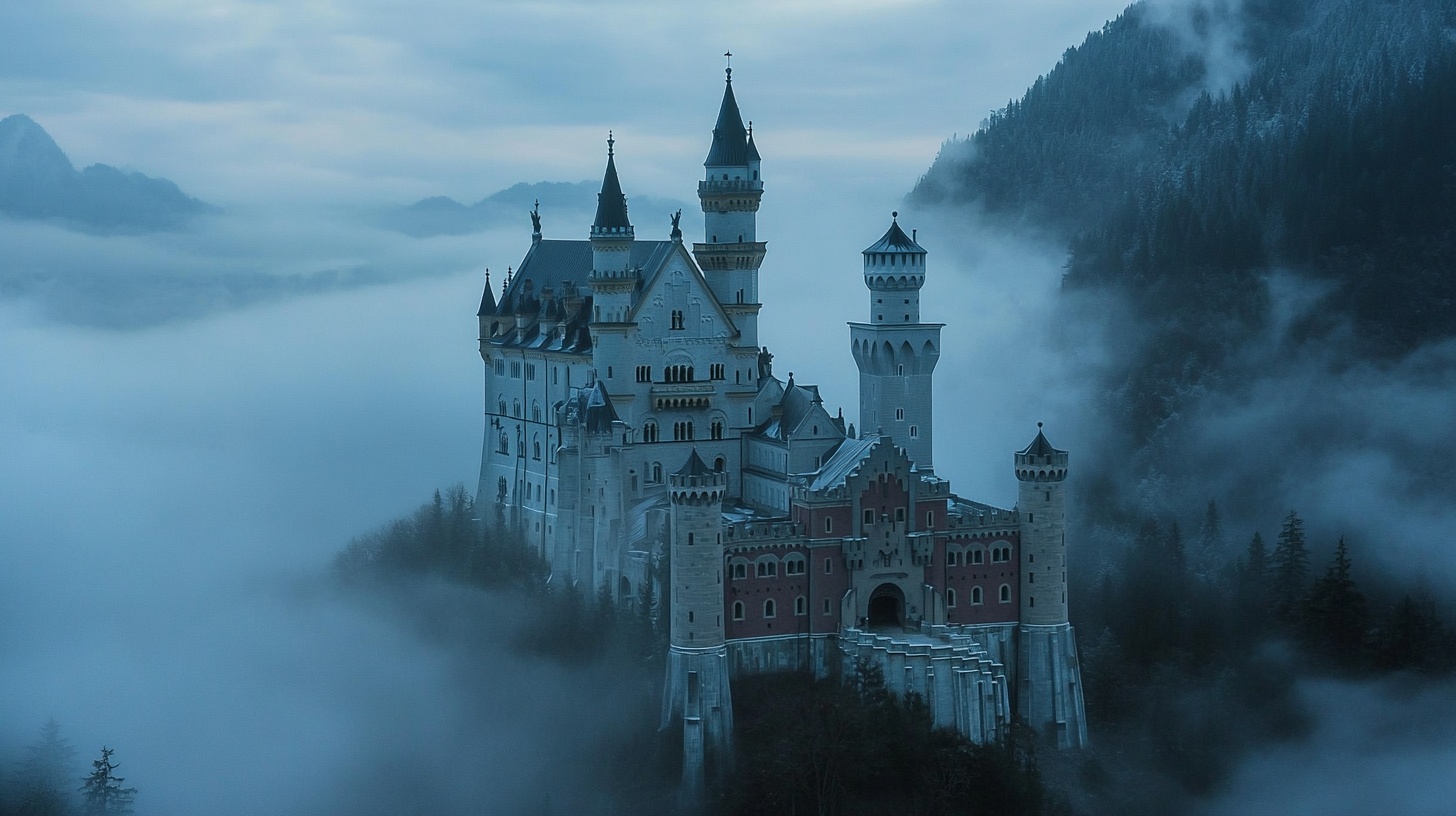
632, 416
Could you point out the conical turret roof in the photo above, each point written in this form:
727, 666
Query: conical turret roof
611, 204
487, 299
695, 466
895, 240
1040, 446
730, 138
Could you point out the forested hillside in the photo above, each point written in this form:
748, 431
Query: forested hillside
1333, 158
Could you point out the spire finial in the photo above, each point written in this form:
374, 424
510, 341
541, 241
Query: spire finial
611, 144
729, 55
750, 128
894, 215
1038, 426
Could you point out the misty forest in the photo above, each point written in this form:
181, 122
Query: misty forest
1255, 202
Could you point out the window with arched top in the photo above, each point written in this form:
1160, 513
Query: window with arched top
950, 596
536, 448
657, 471
1005, 593
738, 610
975, 595
740, 571
768, 608
535, 412
801, 605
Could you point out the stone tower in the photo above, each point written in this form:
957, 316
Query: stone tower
730, 192
613, 280
1050, 694
895, 352
696, 693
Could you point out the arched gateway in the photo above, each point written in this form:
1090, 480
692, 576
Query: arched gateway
887, 607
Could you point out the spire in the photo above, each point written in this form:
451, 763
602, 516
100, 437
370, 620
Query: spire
487, 300
1040, 446
611, 204
695, 466
730, 137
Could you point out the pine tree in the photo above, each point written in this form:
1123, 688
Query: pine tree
102, 791
42, 778
1334, 615
1290, 567
1210, 543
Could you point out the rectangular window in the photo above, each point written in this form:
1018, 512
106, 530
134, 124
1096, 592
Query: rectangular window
826, 606
929, 518
500, 367
899, 514
869, 517
828, 567
531, 371
515, 370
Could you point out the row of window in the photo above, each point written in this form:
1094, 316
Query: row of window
950, 595
768, 567
770, 608
869, 518
954, 558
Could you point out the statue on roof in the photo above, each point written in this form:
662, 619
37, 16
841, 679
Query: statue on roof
676, 231
536, 218
765, 363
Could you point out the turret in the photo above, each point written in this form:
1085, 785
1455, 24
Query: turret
894, 271
697, 691
730, 192
895, 352
613, 279
1041, 471
1049, 691
697, 494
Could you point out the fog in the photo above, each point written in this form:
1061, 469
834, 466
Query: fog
192, 423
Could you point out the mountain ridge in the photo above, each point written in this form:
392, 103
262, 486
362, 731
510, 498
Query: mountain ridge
38, 181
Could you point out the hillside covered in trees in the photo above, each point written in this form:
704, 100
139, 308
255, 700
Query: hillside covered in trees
1332, 158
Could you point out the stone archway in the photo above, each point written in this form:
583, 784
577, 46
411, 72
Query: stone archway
887, 607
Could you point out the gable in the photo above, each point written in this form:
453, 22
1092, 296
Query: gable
676, 284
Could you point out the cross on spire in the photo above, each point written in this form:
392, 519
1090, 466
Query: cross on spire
610, 143
729, 55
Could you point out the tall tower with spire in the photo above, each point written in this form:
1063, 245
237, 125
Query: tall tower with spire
697, 692
1050, 694
731, 254
895, 352
613, 279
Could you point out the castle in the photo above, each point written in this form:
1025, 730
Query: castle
632, 416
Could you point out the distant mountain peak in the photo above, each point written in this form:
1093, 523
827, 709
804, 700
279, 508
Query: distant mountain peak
38, 181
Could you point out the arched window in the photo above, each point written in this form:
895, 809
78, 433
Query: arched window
502, 405
914, 432
720, 464
738, 610
516, 408
794, 566
801, 605
1005, 593
657, 471
978, 557
536, 448
740, 571
950, 596
768, 568
768, 608
952, 558
535, 412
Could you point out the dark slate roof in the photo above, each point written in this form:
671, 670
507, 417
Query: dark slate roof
487, 299
553, 262
794, 406
1040, 446
611, 204
599, 413
895, 240
730, 138
694, 466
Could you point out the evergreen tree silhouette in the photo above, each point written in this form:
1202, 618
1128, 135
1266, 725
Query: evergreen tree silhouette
102, 792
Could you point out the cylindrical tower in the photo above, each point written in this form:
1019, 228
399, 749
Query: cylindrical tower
613, 280
696, 693
1049, 685
895, 352
1042, 471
